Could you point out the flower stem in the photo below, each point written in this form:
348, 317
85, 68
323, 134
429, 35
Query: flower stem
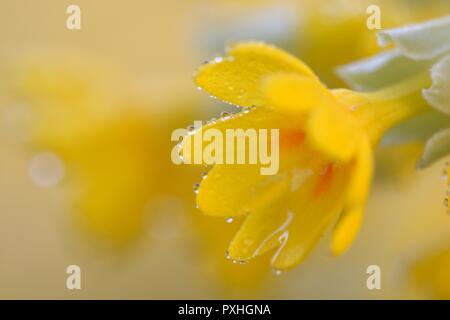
393, 105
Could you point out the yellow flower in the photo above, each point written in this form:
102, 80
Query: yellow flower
326, 142
430, 274
113, 143
107, 135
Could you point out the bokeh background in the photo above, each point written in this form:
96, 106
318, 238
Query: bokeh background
85, 171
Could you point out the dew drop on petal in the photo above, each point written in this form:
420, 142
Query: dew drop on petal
224, 115
277, 272
196, 186
245, 110
230, 220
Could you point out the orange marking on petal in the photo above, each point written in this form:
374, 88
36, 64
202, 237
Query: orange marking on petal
291, 138
324, 181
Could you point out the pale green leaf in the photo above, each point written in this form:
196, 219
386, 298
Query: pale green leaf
438, 95
381, 70
420, 41
417, 48
436, 147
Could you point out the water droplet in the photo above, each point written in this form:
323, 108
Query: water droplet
274, 233
282, 240
230, 220
277, 272
239, 261
190, 128
196, 186
225, 115
204, 175
199, 88
446, 202
218, 59
235, 261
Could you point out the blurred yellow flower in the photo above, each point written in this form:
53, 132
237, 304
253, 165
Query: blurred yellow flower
430, 274
326, 142
114, 145
108, 136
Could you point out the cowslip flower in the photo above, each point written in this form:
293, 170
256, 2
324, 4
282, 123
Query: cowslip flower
326, 143
111, 141
414, 49
341, 25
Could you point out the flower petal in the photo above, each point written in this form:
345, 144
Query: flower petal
312, 216
349, 223
234, 190
237, 77
346, 230
361, 177
258, 118
260, 230
295, 93
333, 131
